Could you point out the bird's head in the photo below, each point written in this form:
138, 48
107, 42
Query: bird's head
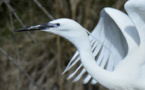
64, 27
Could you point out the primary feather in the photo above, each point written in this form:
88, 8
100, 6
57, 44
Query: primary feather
111, 39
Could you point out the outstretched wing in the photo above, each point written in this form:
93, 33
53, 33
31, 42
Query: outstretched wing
111, 40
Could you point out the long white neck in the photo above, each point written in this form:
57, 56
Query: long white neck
88, 61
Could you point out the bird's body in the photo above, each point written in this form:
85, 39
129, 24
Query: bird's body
130, 73
114, 53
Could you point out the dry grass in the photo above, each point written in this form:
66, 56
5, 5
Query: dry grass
45, 60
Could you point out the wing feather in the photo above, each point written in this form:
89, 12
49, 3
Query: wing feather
93, 81
111, 40
87, 79
78, 77
104, 61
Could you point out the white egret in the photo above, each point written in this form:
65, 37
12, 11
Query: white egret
113, 54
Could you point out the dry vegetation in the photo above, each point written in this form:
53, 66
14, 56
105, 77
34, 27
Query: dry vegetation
42, 55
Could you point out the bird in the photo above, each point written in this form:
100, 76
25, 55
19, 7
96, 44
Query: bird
113, 53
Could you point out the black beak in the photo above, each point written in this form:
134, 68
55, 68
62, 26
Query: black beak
38, 27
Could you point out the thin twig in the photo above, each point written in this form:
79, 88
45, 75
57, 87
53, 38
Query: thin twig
25, 73
43, 9
74, 4
59, 78
16, 47
57, 41
17, 17
119, 4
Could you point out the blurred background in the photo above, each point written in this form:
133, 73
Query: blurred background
42, 55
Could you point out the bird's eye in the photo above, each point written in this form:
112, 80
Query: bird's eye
58, 24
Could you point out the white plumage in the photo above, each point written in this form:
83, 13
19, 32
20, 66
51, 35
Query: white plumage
114, 53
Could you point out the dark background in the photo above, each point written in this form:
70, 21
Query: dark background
42, 55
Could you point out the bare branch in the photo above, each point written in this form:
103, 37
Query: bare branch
25, 73
43, 9
16, 47
119, 4
17, 17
